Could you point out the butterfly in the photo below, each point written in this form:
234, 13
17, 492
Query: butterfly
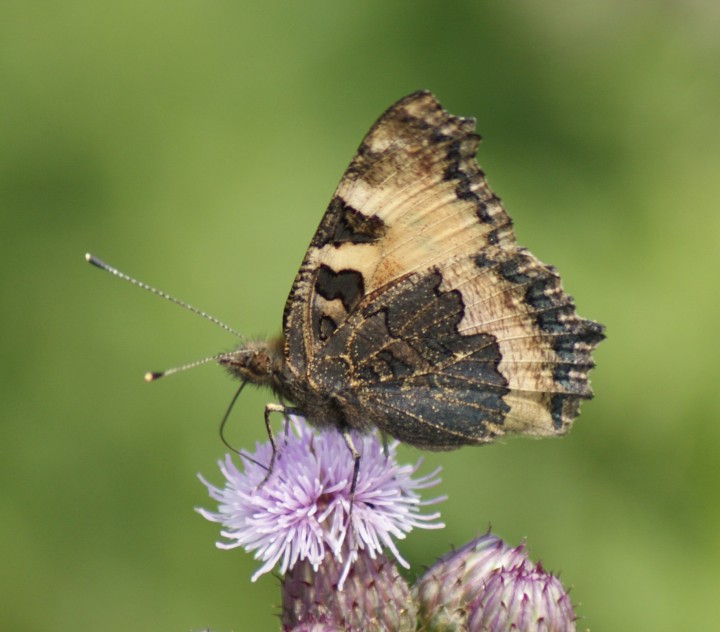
415, 311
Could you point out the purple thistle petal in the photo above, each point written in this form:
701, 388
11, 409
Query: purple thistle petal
301, 512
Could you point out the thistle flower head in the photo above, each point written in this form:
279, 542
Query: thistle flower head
374, 597
488, 586
522, 598
300, 513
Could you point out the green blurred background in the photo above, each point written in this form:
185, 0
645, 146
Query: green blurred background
196, 145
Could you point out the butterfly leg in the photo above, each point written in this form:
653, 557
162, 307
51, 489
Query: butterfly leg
283, 410
286, 424
356, 467
386, 450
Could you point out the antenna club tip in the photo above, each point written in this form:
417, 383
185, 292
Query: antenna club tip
93, 260
151, 376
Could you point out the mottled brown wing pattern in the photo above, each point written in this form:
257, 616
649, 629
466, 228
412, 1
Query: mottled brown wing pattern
412, 196
410, 372
415, 310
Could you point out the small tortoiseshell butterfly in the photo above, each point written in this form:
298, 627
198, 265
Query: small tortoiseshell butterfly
415, 311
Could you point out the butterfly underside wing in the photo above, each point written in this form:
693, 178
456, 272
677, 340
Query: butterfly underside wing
415, 311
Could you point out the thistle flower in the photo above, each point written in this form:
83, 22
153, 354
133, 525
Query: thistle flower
454, 581
522, 598
335, 573
374, 597
300, 513
488, 586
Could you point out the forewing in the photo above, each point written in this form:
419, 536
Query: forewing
412, 197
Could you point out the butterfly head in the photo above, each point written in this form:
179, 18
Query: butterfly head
258, 362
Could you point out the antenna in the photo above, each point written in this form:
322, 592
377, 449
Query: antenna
151, 376
93, 260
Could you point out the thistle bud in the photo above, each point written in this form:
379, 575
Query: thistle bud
522, 598
374, 597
